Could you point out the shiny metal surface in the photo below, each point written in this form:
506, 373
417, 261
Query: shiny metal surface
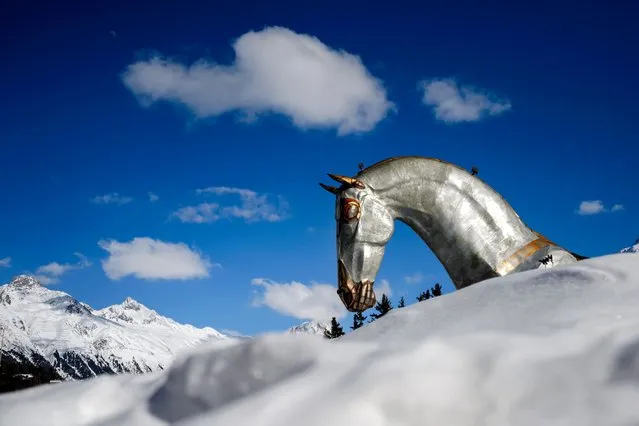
471, 229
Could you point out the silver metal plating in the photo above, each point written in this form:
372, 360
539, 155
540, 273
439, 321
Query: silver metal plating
471, 229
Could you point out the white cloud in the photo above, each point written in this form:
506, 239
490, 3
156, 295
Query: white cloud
593, 207
113, 198
202, 213
415, 278
5, 263
253, 207
315, 302
382, 287
275, 71
52, 272
153, 197
221, 190
150, 259
454, 104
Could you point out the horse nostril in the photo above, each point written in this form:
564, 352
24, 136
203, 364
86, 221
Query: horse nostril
346, 296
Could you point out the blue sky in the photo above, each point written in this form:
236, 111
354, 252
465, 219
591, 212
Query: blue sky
252, 105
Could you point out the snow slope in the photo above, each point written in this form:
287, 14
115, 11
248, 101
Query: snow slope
546, 347
81, 342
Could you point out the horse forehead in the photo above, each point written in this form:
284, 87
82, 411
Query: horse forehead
351, 193
358, 194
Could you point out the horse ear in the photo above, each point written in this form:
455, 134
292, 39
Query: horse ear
330, 189
347, 180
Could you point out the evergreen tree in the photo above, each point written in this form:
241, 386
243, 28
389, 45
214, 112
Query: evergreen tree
358, 320
401, 303
382, 307
424, 296
436, 290
335, 331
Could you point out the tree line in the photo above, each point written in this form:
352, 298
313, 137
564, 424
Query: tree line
382, 307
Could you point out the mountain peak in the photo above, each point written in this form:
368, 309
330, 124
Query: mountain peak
633, 248
133, 312
25, 281
310, 327
131, 303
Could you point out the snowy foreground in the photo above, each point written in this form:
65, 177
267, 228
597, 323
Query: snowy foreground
546, 347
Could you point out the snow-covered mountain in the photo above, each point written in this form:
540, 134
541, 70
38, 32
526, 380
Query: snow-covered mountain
52, 329
632, 249
543, 347
310, 327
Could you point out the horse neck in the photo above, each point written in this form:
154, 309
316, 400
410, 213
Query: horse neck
468, 226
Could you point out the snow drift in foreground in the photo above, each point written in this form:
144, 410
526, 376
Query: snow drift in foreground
546, 347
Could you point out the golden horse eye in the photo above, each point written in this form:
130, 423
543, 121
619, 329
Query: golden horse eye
351, 209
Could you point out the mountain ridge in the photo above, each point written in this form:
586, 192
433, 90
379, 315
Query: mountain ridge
310, 327
632, 249
49, 329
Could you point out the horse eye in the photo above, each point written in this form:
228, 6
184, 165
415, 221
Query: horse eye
351, 210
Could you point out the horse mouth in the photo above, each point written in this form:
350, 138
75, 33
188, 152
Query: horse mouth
357, 297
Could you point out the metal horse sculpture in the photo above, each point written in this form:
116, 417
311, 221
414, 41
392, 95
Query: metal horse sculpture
472, 230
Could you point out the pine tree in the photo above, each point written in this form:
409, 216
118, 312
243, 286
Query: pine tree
401, 303
335, 331
382, 307
358, 320
424, 296
436, 290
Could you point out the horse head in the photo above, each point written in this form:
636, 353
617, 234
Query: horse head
364, 226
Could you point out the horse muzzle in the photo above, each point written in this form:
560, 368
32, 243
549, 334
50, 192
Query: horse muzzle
357, 297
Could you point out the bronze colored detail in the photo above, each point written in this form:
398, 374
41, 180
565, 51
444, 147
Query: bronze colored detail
351, 210
329, 188
514, 260
356, 297
348, 181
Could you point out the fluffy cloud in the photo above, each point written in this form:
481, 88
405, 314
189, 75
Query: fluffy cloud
591, 207
5, 263
595, 207
382, 287
52, 272
253, 207
153, 197
315, 302
202, 213
415, 278
454, 104
113, 198
150, 259
275, 71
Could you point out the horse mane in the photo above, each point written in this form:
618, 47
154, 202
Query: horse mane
381, 163
407, 157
